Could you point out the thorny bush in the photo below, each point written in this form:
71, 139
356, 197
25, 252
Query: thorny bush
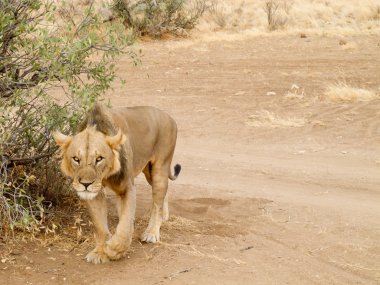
50, 74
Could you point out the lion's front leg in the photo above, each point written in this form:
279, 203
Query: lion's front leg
98, 211
120, 242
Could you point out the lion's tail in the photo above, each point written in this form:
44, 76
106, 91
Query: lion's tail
177, 170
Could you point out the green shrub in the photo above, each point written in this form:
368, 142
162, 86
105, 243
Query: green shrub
159, 17
50, 75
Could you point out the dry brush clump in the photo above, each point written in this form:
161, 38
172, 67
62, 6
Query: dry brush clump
275, 16
38, 57
218, 14
159, 17
344, 93
224, 15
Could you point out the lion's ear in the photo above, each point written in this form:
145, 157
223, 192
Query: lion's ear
117, 140
62, 140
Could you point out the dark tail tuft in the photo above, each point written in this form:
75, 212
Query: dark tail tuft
177, 170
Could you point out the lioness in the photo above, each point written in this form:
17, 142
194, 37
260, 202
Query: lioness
111, 148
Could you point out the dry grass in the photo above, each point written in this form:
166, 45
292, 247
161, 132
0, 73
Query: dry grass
341, 92
276, 12
180, 224
268, 119
224, 15
318, 16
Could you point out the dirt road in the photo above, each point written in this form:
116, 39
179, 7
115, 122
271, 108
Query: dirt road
279, 185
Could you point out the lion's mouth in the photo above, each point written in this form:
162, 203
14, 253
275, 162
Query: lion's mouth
87, 195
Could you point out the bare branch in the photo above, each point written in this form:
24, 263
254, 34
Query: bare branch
11, 162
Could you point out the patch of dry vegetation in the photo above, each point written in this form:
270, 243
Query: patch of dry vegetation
295, 92
268, 119
341, 92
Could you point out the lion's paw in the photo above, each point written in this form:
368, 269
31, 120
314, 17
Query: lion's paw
97, 256
116, 249
150, 237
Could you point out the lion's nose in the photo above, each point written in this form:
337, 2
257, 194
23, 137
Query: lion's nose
85, 184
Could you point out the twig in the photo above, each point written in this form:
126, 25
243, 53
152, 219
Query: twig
26, 160
247, 248
171, 276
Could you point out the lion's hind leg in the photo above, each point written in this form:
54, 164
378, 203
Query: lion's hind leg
159, 211
148, 175
165, 208
148, 172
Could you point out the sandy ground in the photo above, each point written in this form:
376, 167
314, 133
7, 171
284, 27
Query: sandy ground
291, 200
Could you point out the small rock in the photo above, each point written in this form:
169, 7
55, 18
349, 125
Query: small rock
342, 42
106, 14
295, 86
303, 35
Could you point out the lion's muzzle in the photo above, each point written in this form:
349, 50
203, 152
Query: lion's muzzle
87, 190
87, 186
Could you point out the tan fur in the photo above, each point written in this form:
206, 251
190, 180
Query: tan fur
112, 147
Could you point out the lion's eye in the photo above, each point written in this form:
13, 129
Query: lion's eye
76, 159
99, 159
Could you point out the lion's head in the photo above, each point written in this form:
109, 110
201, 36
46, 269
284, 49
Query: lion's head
89, 157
